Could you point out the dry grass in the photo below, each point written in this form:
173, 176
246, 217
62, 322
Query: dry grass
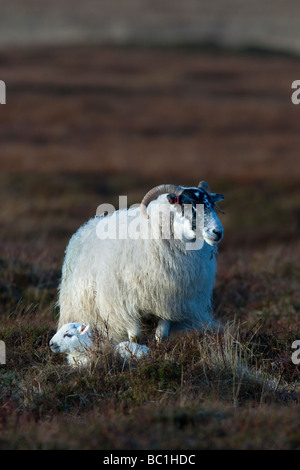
136, 113
194, 391
112, 122
185, 382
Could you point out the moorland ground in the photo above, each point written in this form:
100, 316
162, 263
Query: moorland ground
84, 125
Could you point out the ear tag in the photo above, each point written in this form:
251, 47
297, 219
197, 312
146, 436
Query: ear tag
173, 199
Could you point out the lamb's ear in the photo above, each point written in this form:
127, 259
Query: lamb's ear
83, 329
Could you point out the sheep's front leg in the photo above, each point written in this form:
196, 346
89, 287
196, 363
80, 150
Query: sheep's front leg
162, 330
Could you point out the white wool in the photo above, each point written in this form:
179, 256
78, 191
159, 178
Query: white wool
131, 350
114, 283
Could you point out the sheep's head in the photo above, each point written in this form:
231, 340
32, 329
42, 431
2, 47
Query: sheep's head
71, 338
180, 198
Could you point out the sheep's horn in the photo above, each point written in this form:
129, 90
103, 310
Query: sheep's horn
204, 185
157, 191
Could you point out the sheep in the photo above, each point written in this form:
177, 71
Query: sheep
120, 269
76, 341
130, 350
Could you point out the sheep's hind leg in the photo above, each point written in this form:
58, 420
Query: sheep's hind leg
162, 329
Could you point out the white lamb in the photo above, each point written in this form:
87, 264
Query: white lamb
75, 340
129, 350
117, 282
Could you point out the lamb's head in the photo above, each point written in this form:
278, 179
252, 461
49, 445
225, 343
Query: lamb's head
71, 338
194, 210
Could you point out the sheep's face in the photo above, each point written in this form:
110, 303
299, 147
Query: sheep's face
70, 338
192, 219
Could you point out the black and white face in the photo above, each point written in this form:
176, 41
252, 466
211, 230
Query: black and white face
196, 198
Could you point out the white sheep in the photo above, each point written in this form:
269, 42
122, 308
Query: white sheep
75, 340
130, 350
119, 270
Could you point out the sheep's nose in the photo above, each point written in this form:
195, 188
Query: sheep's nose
218, 234
53, 346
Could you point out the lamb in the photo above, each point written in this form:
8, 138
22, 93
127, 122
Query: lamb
129, 350
75, 340
121, 269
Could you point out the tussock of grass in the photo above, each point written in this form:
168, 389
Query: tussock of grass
202, 365
189, 381
192, 384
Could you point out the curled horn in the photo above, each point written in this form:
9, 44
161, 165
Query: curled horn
157, 191
204, 185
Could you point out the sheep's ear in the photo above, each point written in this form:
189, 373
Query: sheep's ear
83, 329
217, 197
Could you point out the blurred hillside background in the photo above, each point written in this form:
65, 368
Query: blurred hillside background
234, 23
111, 98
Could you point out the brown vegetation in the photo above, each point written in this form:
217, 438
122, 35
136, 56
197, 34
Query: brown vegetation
85, 125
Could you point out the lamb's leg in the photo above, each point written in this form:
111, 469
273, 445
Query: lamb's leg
162, 329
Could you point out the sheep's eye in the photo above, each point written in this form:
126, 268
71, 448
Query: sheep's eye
68, 335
